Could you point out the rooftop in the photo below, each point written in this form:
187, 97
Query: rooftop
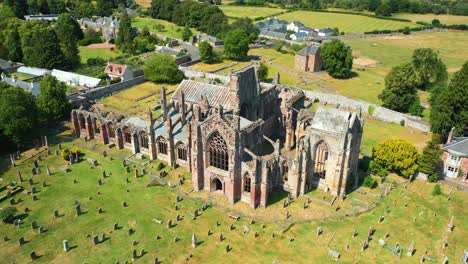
193, 92
309, 49
458, 146
331, 119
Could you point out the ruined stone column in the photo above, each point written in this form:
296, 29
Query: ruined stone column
135, 143
104, 135
170, 146
163, 102
89, 128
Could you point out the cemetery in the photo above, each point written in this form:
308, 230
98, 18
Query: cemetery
108, 205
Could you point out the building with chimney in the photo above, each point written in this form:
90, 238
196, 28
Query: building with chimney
455, 157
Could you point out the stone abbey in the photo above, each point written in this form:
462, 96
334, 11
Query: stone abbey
246, 139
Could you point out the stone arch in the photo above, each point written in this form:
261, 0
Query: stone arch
82, 121
143, 139
127, 134
321, 154
110, 129
216, 184
97, 125
181, 151
246, 182
218, 151
161, 142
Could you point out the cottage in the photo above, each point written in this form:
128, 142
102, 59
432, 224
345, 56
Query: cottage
180, 56
295, 26
28, 85
5, 65
326, 32
308, 59
299, 36
122, 71
273, 24
455, 157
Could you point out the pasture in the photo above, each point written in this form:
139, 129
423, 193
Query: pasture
444, 19
250, 11
144, 3
409, 215
344, 22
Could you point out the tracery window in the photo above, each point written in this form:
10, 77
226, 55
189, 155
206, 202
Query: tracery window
143, 139
127, 135
321, 157
162, 145
218, 152
247, 182
181, 151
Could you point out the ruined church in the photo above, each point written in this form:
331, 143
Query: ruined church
245, 139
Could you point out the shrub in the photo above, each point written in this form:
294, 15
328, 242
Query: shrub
436, 190
65, 154
369, 182
397, 155
402, 122
406, 30
433, 177
75, 150
376, 169
116, 80
160, 166
371, 109
7, 214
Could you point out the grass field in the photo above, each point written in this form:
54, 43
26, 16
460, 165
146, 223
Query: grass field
422, 220
137, 100
444, 19
170, 29
144, 3
250, 11
344, 22
86, 53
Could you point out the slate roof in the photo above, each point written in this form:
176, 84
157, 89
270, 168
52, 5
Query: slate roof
297, 23
331, 119
309, 49
193, 91
167, 50
75, 79
300, 35
458, 146
273, 34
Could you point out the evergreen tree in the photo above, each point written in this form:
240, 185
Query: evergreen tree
236, 44
19, 7
430, 159
429, 66
69, 32
262, 72
337, 59
103, 8
186, 34
126, 34
52, 102
400, 90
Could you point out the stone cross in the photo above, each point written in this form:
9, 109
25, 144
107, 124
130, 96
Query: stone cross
194, 240
66, 245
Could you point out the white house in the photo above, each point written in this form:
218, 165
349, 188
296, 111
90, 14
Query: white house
294, 26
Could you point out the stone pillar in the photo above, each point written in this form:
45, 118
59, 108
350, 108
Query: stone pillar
189, 146
89, 128
104, 134
119, 138
234, 99
135, 143
182, 108
76, 124
263, 194
198, 158
163, 102
170, 145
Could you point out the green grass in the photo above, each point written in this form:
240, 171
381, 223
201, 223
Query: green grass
344, 22
250, 11
147, 203
106, 54
444, 19
170, 29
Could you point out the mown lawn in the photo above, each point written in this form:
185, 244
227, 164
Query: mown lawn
170, 29
423, 220
250, 11
444, 19
105, 53
344, 22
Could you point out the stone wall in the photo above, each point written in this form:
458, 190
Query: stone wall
380, 112
191, 73
100, 92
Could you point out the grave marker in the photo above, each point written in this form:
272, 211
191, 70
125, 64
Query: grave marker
66, 245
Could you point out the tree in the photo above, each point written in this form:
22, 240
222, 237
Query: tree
429, 160
436, 190
7, 214
435, 22
383, 10
162, 68
369, 182
374, 4
400, 88
206, 52
18, 115
69, 33
10, 43
186, 34
248, 26
236, 44
262, 72
103, 8
5, 12
52, 101
406, 31
40, 45
429, 66
449, 108
397, 155
337, 59
19, 7
126, 34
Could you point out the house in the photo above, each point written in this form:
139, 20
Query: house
455, 157
308, 59
48, 18
273, 24
109, 26
74, 79
294, 26
181, 56
122, 71
299, 36
326, 32
29, 85
273, 35
214, 41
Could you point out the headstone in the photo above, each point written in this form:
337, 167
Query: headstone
100, 183
136, 173
100, 210
129, 231
95, 240
445, 243
194, 240
124, 163
5, 238
134, 242
47, 170
30, 181
12, 201
156, 260
221, 237
228, 248
178, 217
446, 260
44, 184
209, 232
71, 157
319, 231
410, 249
75, 181
78, 209
127, 169
34, 198
56, 152
56, 213
334, 254
176, 239
381, 242
246, 229
34, 225
134, 255
33, 190
104, 174
36, 165
142, 252
116, 226
104, 154
103, 237
124, 204
21, 241
450, 225
93, 162
169, 223
231, 227
381, 218
66, 246
33, 255
41, 230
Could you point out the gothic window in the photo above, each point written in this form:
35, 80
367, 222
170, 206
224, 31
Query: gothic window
321, 157
162, 145
247, 182
181, 151
218, 152
82, 121
284, 171
127, 135
143, 139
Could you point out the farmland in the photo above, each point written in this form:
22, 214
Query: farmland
444, 19
250, 11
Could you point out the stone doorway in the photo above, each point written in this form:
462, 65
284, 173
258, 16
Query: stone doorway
216, 185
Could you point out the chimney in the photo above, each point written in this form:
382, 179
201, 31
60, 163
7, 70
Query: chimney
450, 135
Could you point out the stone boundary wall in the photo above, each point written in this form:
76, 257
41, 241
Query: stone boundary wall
191, 73
100, 92
381, 113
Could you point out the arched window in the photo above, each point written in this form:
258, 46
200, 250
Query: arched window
284, 171
321, 157
143, 139
97, 125
110, 128
82, 121
218, 152
162, 145
181, 151
127, 135
247, 182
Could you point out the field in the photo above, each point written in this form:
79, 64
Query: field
410, 215
137, 100
170, 29
105, 53
444, 19
144, 3
344, 22
250, 11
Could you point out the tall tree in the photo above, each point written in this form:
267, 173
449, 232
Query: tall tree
10, 44
206, 52
430, 159
52, 101
19, 7
383, 10
40, 45
400, 90
103, 8
450, 108
161, 68
236, 44
337, 59
262, 72
248, 26
126, 34
429, 66
186, 34
18, 115
69, 32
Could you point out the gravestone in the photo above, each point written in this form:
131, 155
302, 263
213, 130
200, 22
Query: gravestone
33, 190
178, 218
47, 170
12, 201
103, 174
450, 225
319, 231
231, 227
221, 237
381, 242
103, 237
34, 198
124, 204
75, 181
44, 184
104, 154
20, 178
56, 213
92, 162
95, 240
100, 211
56, 152
246, 229
30, 181
5, 238
36, 165
124, 163
134, 242
66, 245
129, 231
194, 240
156, 260
34, 225
71, 157
134, 255
228, 248
169, 223
33, 255
116, 226
136, 173
364, 245
410, 249
381, 218
209, 232
21, 241
78, 210
100, 183
333, 254
41, 230
176, 239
